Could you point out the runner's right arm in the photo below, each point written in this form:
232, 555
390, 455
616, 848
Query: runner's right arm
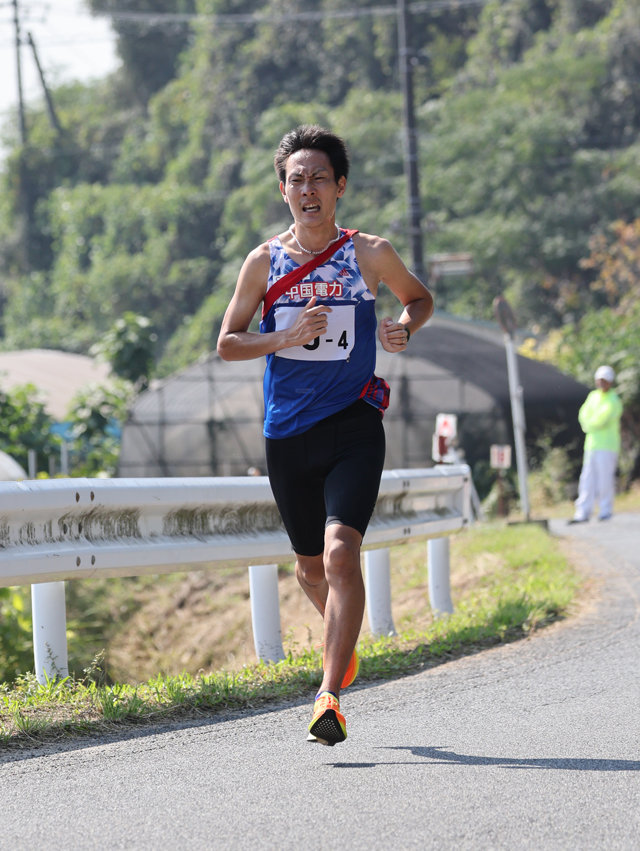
236, 342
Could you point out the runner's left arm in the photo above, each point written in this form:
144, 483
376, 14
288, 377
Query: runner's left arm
382, 262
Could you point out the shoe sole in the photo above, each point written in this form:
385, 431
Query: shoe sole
327, 730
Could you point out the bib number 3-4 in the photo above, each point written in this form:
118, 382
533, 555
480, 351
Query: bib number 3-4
335, 344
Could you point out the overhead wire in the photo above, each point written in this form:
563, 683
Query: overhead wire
240, 18
170, 19
54, 38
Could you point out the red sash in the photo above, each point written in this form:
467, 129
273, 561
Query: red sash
298, 274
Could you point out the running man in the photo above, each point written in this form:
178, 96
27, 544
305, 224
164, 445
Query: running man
323, 405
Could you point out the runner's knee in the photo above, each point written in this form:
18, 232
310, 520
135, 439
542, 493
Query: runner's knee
310, 570
342, 554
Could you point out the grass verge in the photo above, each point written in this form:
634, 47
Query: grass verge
508, 581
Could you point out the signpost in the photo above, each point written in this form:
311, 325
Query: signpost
500, 460
506, 318
450, 264
442, 450
500, 457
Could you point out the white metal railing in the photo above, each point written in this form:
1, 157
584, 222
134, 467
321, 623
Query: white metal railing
61, 529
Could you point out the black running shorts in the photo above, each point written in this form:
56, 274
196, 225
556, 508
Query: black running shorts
328, 474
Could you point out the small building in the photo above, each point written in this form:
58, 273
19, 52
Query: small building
57, 375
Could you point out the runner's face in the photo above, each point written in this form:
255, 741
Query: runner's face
310, 188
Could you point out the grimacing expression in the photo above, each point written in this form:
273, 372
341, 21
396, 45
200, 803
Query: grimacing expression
310, 187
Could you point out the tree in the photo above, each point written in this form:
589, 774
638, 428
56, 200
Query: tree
96, 416
612, 337
617, 262
149, 46
26, 425
510, 173
611, 334
129, 347
526, 150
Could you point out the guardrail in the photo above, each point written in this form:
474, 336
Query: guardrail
63, 529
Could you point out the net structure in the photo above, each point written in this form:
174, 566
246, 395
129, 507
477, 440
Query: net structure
207, 419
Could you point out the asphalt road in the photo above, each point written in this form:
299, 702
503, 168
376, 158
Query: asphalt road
535, 744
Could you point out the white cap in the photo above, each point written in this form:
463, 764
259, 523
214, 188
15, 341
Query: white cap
606, 373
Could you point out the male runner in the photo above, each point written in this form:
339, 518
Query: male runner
323, 404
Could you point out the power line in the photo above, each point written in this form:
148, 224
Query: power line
160, 19
60, 41
240, 18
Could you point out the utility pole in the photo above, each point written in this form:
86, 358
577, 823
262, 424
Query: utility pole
16, 24
53, 117
410, 143
507, 320
22, 170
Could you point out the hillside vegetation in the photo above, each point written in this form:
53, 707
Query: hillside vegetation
160, 180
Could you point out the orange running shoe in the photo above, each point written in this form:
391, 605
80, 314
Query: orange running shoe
352, 670
328, 726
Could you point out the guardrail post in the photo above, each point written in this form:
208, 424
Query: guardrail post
133, 527
377, 577
265, 612
439, 581
49, 613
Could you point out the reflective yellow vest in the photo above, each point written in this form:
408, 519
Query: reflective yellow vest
599, 419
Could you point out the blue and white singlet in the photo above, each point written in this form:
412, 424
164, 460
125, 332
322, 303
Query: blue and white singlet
305, 384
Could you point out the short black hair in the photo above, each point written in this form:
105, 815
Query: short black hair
313, 137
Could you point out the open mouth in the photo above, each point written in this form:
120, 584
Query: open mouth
310, 208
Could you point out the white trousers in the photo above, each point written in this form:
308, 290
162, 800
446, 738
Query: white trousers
597, 484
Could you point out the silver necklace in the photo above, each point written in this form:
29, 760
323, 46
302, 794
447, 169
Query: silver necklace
307, 250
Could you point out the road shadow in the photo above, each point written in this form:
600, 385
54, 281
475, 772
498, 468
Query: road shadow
445, 756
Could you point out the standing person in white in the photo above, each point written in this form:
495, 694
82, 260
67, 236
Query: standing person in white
599, 419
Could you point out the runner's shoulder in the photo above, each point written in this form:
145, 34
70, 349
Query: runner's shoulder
372, 245
258, 259
376, 254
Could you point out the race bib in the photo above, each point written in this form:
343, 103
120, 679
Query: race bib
336, 343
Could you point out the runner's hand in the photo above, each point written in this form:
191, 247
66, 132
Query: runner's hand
392, 335
311, 323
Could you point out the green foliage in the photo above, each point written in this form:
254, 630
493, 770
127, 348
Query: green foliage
554, 472
149, 50
197, 335
148, 202
606, 336
16, 642
96, 415
126, 248
609, 335
26, 425
532, 199
129, 348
